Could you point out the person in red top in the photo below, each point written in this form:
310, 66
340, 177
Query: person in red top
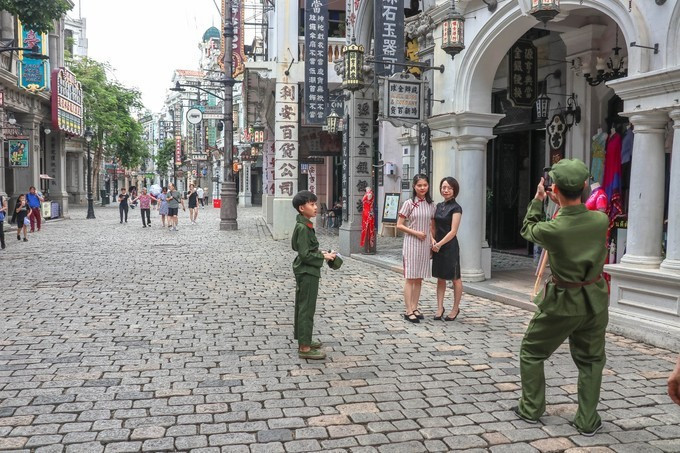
144, 206
368, 220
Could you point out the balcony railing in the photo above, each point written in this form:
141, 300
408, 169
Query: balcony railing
334, 48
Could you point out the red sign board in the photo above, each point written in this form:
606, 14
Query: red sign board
67, 102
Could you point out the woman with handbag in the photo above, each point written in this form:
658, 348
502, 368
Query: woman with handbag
22, 217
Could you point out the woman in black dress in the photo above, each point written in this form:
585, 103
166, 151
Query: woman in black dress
446, 256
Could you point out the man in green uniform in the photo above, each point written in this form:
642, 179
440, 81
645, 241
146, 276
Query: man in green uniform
306, 267
574, 302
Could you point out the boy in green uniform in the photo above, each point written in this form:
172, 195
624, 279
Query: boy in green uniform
574, 302
306, 267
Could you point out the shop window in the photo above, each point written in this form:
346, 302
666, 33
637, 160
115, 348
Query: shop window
336, 23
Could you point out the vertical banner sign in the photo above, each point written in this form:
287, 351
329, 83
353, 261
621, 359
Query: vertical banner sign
345, 170
238, 51
33, 72
286, 137
19, 150
522, 85
316, 61
389, 35
423, 149
67, 102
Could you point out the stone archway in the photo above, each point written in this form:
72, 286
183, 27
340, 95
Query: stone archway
491, 43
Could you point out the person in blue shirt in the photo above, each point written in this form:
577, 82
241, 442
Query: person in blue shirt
34, 199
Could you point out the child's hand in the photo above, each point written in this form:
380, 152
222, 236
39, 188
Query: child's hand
329, 256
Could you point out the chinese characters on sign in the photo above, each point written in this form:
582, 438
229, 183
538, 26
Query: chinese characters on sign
32, 71
316, 61
523, 72
286, 140
404, 99
67, 102
389, 35
423, 149
345, 170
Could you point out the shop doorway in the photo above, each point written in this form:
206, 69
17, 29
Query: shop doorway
514, 168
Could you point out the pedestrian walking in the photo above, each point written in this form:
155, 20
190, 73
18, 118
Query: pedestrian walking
674, 383
163, 205
133, 193
193, 204
33, 198
144, 206
123, 198
205, 195
174, 199
3, 215
306, 267
200, 194
573, 303
446, 251
418, 211
22, 215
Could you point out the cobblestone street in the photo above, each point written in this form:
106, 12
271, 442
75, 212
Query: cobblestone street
117, 338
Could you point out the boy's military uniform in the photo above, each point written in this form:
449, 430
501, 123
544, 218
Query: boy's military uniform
306, 267
574, 302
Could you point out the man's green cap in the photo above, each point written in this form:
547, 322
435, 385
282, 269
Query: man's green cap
569, 174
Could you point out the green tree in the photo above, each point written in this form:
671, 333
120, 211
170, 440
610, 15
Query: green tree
38, 15
108, 111
164, 156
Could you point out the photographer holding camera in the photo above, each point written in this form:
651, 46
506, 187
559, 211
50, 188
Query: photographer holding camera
574, 302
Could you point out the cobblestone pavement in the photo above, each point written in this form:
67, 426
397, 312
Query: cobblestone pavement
122, 339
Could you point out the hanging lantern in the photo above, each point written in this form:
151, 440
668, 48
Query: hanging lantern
453, 32
542, 107
332, 123
354, 62
258, 133
545, 10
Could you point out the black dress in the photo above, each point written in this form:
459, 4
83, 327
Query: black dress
446, 262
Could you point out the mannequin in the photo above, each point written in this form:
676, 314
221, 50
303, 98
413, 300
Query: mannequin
612, 165
597, 201
597, 152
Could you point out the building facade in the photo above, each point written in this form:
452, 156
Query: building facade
34, 148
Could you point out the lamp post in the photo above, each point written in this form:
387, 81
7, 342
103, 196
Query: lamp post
228, 194
90, 203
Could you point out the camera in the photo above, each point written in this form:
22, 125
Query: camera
547, 180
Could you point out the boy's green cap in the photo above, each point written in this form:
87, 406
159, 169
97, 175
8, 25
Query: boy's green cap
569, 174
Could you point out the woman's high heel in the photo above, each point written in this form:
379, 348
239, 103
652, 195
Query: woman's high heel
411, 317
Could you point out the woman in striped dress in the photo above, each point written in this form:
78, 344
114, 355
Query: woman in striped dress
415, 220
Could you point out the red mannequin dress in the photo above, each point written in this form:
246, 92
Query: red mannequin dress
367, 221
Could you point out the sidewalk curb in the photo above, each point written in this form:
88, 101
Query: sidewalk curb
475, 289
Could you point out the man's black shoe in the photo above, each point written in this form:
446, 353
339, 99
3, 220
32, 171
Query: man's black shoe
526, 419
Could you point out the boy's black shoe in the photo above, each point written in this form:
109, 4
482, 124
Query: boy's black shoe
526, 419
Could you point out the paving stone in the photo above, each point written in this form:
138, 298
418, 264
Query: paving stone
165, 444
147, 432
189, 442
274, 435
302, 445
123, 447
88, 447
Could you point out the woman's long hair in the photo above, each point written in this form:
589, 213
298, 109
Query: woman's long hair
417, 178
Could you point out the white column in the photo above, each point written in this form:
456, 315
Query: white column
672, 261
471, 176
286, 168
81, 175
245, 195
646, 201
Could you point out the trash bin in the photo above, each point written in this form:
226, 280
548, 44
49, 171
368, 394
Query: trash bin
105, 197
217, 203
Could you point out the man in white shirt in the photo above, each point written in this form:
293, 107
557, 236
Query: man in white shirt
199, 191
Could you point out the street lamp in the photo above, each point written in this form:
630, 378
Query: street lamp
90, 204
332, 122
228, 195
353, 55
453, 31
545, 10
543, 101
29, 52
